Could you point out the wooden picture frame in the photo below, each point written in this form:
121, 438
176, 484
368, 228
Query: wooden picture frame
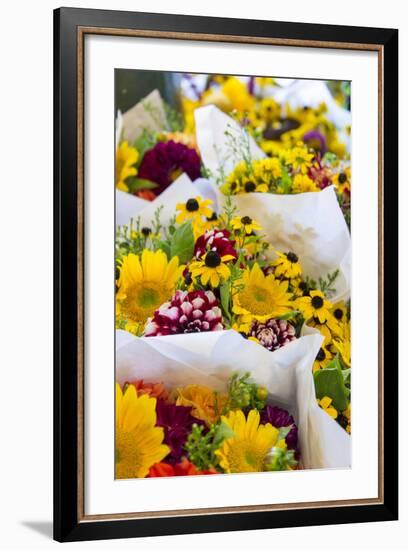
70, 27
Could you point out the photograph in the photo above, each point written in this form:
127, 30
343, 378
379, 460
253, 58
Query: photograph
232, 275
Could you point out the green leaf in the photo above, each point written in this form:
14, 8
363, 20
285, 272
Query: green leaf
182, 243
330, 381
143, 143
286, 181
165, 246
223, 432
136, 184
225, 298
288, 315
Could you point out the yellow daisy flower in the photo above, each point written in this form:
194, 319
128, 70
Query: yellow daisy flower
139, 443
304, 184
145, 283
194, 209
323, 358
126, 157
299, 158
328, 328
314, 305
211, 269
207, 405
246, 224
342, 180
326, 404
261, 297
287, 265
237, 94
343, 344
247, 451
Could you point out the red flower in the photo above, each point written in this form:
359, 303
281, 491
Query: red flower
153, 389
166, 161
183, 468
217, 240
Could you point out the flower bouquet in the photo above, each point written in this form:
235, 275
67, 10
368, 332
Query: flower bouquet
232, 294
152, 152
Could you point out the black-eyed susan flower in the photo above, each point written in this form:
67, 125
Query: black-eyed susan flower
329, 328
314, 305
194, 209
261, 296
139, 442
145, 283
339, 311
126, 158
287, 265
343, 344
323, 358
246, 224
342, 180
326, 404
248, 450
211, 268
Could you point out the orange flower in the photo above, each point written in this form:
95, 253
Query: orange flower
183, 468
207, 404
152, 389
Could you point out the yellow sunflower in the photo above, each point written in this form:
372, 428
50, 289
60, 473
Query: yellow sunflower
261, 296
194, 209
248, 450
211, 269
315, 305
146, 283
139, 443
207, 405
246, 224
287, 265
126, 157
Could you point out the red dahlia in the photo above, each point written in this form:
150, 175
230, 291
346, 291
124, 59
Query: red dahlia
217, 240
196, 311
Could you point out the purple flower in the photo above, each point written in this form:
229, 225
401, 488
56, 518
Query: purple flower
177, 423
280, 419
166, 161
316, 140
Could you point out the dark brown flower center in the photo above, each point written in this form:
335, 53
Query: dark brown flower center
321, 355
192, 205
317, 302
246, 220
338, 313
213, 217
291, 256
250, 187
233, 185
342, 177
146, 231
212, 259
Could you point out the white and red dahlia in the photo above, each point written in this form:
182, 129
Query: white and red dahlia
217, 240
196, 311
273, 334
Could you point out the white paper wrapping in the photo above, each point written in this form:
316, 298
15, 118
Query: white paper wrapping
309, 224
128, 206
210, 359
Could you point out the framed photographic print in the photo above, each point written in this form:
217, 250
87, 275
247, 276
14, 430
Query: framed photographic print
225, 274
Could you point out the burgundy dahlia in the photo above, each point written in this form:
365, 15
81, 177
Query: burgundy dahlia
166, 161
195, 311
280, 418
176, 420
320, 174
217, 240
273, 334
